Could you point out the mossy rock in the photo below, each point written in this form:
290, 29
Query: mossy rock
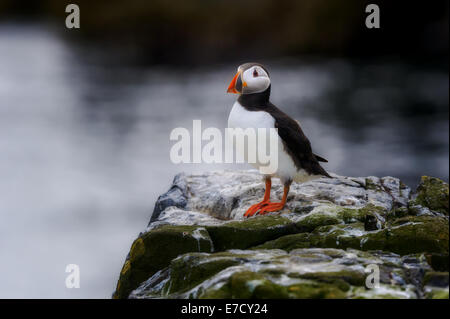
384, 292
250, 232
350, 215
438, 262
288, 242
407, 235
436, 279
432, 193
333, 215
303, 273
340, 278
436, 285
411, 234
373, 184
437, 293
338, 236
251, 285
191, 269
154, 250
316, 290
330, 236
320, 216
398, 213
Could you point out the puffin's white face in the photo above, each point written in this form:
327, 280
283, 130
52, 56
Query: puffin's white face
250, 78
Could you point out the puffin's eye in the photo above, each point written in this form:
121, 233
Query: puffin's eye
255, 73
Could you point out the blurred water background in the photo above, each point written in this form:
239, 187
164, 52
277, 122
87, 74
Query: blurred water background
85, 119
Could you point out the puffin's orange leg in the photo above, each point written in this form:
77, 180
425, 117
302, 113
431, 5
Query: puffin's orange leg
273, 207
254, 208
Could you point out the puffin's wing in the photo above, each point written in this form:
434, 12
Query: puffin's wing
296, 144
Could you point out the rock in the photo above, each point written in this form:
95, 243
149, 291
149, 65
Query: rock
371, 223
302, 273
226, 195
175, 197
436, 279
436, 293
438, 262
154, 250
199, 245
406, 235
251, 232
433, 194
436, 285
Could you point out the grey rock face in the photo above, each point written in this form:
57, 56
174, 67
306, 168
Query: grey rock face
226, 195
176, 196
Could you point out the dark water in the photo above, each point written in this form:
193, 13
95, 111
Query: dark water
84, 144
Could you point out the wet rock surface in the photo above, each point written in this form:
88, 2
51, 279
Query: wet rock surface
324, 244
301, 273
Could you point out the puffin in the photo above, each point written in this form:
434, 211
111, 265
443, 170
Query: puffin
253, 109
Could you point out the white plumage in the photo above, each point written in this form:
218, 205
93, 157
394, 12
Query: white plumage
241, 118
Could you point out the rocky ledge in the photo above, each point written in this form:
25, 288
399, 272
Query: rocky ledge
332, 238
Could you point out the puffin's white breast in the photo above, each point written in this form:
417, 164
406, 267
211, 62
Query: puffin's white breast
241, 118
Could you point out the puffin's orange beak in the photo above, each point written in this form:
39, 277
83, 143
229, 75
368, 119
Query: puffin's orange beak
236, 80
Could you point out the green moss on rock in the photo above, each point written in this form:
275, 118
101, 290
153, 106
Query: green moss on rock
330, 236
251, 285
250, 232
192, 269
246, 284
288, 242
325, 215
438, 293
350, 215
407, 235
333, 215
338, 236
315, 290
373, 184
339, 278
398, 213
410, 235
433, 193
155, 249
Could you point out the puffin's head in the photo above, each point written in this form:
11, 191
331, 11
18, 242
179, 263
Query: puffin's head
250, 78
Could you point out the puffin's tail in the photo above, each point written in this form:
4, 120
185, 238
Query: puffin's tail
318, 168
320, 159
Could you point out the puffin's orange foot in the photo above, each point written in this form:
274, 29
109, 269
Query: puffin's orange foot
271, 207
254, 208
